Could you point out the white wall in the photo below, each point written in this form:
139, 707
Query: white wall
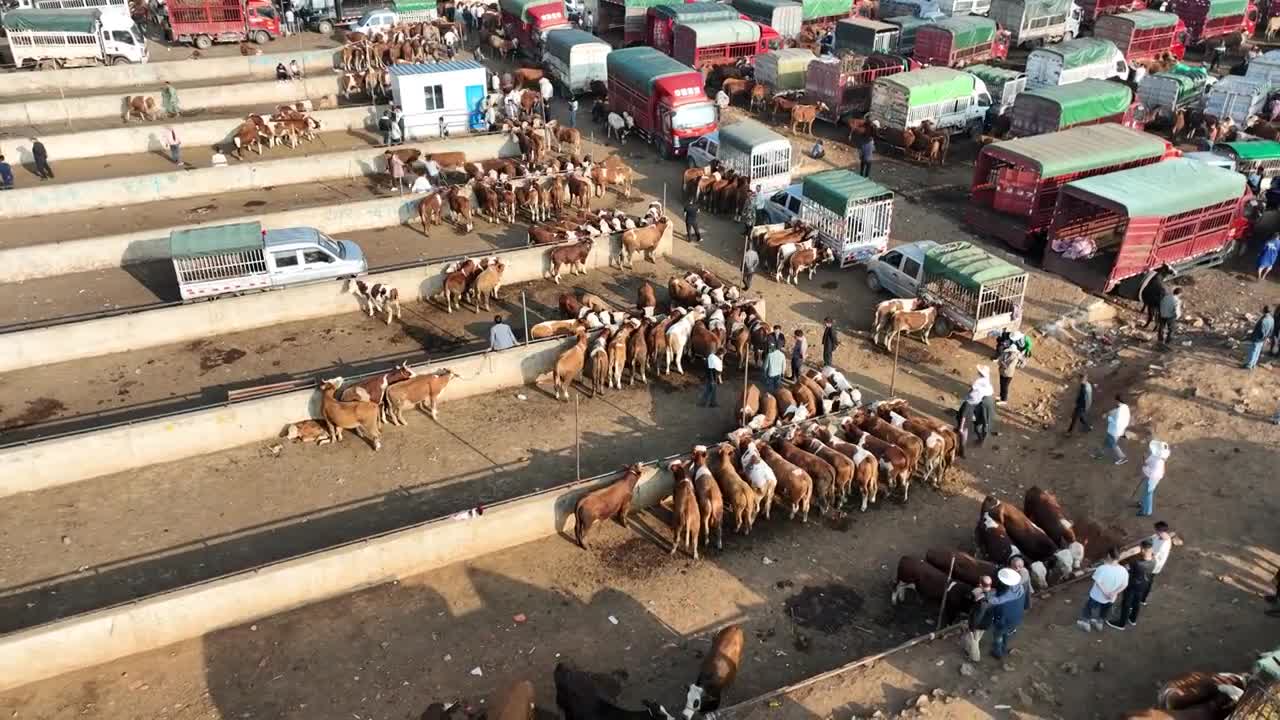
410, 93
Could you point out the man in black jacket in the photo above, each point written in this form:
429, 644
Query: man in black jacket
1084, 401
41, 156
829, 342
691, 232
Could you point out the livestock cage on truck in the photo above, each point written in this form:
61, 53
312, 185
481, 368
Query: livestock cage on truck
782, 70
952, 100
843, 83
220, 259
1050, 109
629, 16
1256, 157
974, 291
816, 11
1032, 21
960, 41
1165, 93
1265, 69
908, 26
865, 36
1144, 34
751, 148
1236, 98
784, 16
1016, 182
1075, 60
1181, 214
1004, 85
665, 97
1093, 10
575, 59
1209, 19
661, 20
721, 42
852, 214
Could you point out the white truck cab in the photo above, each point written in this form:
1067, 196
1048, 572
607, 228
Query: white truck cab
899, 271
783, 206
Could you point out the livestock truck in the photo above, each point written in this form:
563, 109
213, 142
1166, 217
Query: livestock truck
1016, 182
908, 26
1093, 10
784, 16
705, 45
1177, 215
1144, 35
527, 21
1037, 22
52, 39
664, 97
1211, 19
1004, 85
864, 36
1165, 93
783, 70
204, 22
960, 41
1075, 60
823, 11
750, 148
1236, 98
851, 214
661, 20
843, 83
951, 100
1050, 109
924, 9
575, 59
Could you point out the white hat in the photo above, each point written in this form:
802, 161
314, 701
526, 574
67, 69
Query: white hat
1009, 576
1016, 336
1158, 448
984, 371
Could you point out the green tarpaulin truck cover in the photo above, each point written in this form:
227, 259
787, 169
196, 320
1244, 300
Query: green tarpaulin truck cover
1254, 150
931, 85
967, 265
836, 189
698, 11
216, 240
1082, 51
814, 9
1080, 149
1084, 101
520, 8
1148, 19
79, 21
1226, 8
711, 33
1161, 189
639, 67
560, 43
761, 8
968, 31
745, 135
994, 77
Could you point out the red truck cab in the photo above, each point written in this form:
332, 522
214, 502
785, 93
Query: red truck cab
204, 22
664, 98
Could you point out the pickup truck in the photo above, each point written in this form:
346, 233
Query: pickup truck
382, 20
232, 259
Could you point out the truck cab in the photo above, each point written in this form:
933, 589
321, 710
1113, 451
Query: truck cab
376, 21
781, 207
899, 271
305, 254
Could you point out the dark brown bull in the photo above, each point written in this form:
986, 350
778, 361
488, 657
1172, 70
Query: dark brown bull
931, 584
894, 462
613, 501
719, 670
967, 569
820, 472
574, 256
866, 475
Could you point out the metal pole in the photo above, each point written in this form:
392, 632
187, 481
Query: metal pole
943, 607
577, 441
893, 379
524, 305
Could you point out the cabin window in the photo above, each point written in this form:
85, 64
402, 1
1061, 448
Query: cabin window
433, 96
315, 257
910, 267
285, 259
122, 37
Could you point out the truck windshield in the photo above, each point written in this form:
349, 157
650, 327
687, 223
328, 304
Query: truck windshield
328, 243
689, 117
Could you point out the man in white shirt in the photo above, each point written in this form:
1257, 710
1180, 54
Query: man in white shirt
1109, 580
714, 368
1161, 545
1117, 423
500, 335
433, 170
1152, 473
218, 159
420, 185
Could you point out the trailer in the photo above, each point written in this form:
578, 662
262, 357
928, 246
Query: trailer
961, 8
1093, 10
53, 39
1144, 35
575, 59
1087, 102
665, 98
527, 21
661, 20
784, 16
924, 9
115, 6
705, 45
204, 22
908, 26
953, 101
784, 70
959, 41
1165, 93
843, 83
1210, 19
1075, 60
864, 36
1036, 22
1016, 182
750, 148
1236, 98
851, 214
1179, 214
1003, 84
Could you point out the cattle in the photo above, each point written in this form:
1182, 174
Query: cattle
684, 505
931, 584
374, 389
247, 136
934, 450
580, 190
457, 278
529, 196
599, 356
574, 256
805, 260
754, 469
618, 351
613, 501
514, 702
377, 298
748, 405
430, 210
719, 670
678, 336
552, 328
804, 115
918, 322
895, 464
579, 699
1096, 539
642, 240
681, 292
527, 77
739, 499
844, 466
966, 568
1044, 510
992, 541
867, 466
886, 310
1195, 688
804, 396
793, 482
487, 283
710, 501
617, 127
646, 299
910, 444
361, 417
1034, 543
657, 339
459, 199
569, 364
638, 352
820, 472
306, 431
948, 432
423, 392
144, 106
603, 175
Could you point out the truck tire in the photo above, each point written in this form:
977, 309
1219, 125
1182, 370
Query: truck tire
203, 42
941, 327
261, 37
873, 284
119, 60
324, 27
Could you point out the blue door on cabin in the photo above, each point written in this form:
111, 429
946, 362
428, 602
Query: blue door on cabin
475, 101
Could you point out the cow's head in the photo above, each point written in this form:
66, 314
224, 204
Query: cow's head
1039, 575
1077, 555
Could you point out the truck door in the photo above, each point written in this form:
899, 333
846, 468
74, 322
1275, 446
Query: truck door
316, 264
286, 267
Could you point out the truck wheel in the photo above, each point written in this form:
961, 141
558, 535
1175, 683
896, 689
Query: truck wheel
325, 27
204, 42
261, 37
873, 283
941, 327
119, 61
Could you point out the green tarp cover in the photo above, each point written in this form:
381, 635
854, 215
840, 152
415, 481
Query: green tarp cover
814, 9
724, 32
639, 67
1255, 150
1082, 51
1148, 19
520, 8
761, 8
747, 134
561, 42
1045, 8
645, 3
968, 31
931, 85
967, 265
1226, 8
216, 240
1084, 101
1190, 80
994, 77
792, 67
1164, 188
836, 189
696, 12
1082, 148
80, 21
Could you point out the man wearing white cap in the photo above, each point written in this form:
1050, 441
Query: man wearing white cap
971, 413
1152, 474
1008, 606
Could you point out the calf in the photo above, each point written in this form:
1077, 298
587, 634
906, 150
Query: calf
684, 504
719, 670
894, 462
806, 260
457, 278
613, 501
638, 352
886, 310
794, 483
710, 501
914, 321
1194, 688
374, 389
930, 583
822, 474
574, 256
361, 417
377, 298
1044, 510
867, 467
738, 496
579, 699
1033, 542
755, 469
423, 391
993, 541
967, 568
306, 431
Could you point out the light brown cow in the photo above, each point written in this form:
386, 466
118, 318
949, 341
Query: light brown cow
894, 462
843, 465
144, 106
684, 504
819, 471
948, 432
457, 278
804, 115
600, 362
459, 197
617, 175
613, 501
913, 446
642, 240
487, 283
638, 352
429, 210
618, 345
739, 499
866, 476
918, 322
793, 482
307, 431
362, 417
374, 389
646, 299
552, 328
710, 501
423, 391
718, 671
569, 364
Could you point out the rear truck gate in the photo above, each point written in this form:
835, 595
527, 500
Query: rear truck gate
575, 59
527, 20
783, 70
959, 41
1087, 102
1091, 11
1165, 93
960, 8
1003, 84
664, 97
1236, 98
908, 26
661, 20
1032, 22
751, 148
1180, 213
851, 213
820, 11
1211, 19
218, 260
204, 22
844, 83
975, 292
925, 9
784, 16
865, 36
953, 100
721, 42
630, 16
1016, 182
1075, 60
1144, 34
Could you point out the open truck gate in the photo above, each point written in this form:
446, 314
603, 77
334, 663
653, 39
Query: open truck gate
1180, 213
973, 290
852, 214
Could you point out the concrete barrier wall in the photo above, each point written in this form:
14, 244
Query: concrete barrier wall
18, 84
182, 323
100, 637
115, 192
137, 138
266, 94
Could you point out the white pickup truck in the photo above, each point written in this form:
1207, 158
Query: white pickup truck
232, 259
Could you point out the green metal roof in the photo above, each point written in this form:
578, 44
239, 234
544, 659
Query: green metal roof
931, 85
711, 33
814, 9
1226, 8
1148, 19
1164, 188
1083, 148
1081, 51
698, 11
81, 21
747, 134
1253, 150
967, 265
215, 240
640, 67
994, 77
1084, 101
836, 189
968, 30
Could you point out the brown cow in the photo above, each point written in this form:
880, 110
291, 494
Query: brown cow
948, 432
894, 462
819, 471
710, 501
805, 115
599, 356
935, 451
646, 299
429, 210
487, 283
1096, 539
912, 321
866, 420
580, 189
618, 351
528, 77
1195, 688
457, 278
1044, 510
512, 703
739, 498
569, 364
931, 584
805, 397
967, 568
459, 199
719, 670
804, 260
867, 473
144, 106
306, 431
681, 293
753, 468
574, 256
992, 541
638, 352
793, 482
361, 417
613, 501
617, 175
641, 240
684, 504
374, 389
843, 465
1033, 542
423, 391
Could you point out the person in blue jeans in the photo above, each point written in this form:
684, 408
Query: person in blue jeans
1261, 331
775, 363
1008, 606
6, 175
1109, 580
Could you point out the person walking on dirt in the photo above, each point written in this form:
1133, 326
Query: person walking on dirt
1151, 293
1218, 51
1267, 258
1152, 474
1262, 330
1010, 360
1141, 568
750, 265
1109, 580
1084, 401
715, 366
970, 415
169, 100
174, 144
866, 150
829, 342
41, 157
775, 364
691, 231
1008, 607
979, 619
799, 349
1117, 423
1170, 313
1161, 546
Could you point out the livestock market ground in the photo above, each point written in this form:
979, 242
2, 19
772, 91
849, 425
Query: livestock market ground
811, 597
